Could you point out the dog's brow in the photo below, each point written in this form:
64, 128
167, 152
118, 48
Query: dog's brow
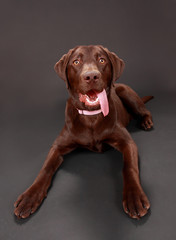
77, 55
99, 54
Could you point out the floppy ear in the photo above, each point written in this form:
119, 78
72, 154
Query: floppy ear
61, 66
117, 64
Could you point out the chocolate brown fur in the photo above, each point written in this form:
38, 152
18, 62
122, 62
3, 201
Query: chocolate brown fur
93, 132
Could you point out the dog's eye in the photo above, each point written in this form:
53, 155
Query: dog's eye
102, 60
76, 62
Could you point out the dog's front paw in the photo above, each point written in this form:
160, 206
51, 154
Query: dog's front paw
28, 202
135, 202
147, 122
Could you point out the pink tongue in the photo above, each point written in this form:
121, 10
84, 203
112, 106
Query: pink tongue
102, 97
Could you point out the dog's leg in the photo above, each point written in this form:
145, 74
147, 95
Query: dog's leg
134, 104
135, 202
29, 201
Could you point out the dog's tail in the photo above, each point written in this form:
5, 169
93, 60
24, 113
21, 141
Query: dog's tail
147, 98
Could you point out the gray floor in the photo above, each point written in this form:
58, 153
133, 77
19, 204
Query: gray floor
85, 200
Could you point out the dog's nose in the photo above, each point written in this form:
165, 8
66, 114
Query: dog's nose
91, 76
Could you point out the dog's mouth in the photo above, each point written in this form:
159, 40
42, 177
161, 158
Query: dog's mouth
90, 98
94, 98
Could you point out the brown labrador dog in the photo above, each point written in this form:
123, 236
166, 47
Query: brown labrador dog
97, 114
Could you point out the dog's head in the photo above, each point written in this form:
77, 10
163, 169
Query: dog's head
87, 71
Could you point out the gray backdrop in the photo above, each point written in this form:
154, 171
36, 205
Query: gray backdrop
85, 201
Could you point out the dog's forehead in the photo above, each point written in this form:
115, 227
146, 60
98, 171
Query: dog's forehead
88, 51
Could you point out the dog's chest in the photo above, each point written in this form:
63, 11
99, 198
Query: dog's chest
96, 147
91, 137
92, 142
